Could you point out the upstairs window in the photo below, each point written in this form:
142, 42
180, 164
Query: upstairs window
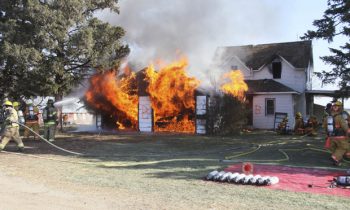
234, 67
276, 70
269, 106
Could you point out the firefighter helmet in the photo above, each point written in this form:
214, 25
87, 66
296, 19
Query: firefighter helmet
8, 103
298, 114
50, 101
338, 103
16, 103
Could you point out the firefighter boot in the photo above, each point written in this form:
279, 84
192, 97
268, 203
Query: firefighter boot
335, 161
346, 156
20, 149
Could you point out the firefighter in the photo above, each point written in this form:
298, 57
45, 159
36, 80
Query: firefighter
346, 116
327, 110
31, 114
282, 126
11, 127
337, 132
299, 124
65, 120
326, 114
50, 118
16, 106
311, 126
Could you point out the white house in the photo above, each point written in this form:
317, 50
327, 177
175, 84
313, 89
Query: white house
278, 76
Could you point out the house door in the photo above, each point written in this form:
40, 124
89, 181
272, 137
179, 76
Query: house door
249, 107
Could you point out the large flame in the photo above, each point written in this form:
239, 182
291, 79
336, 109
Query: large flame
115, 96
172, 94
236, 87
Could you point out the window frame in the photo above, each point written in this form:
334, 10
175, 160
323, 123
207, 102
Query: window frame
274, 106
274, 70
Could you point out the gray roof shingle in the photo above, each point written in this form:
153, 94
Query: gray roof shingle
299, 53
266, 85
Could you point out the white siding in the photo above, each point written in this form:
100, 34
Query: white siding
145, 114
201, 109
290, 77
283, 103
240, 66
309, 73
300, 104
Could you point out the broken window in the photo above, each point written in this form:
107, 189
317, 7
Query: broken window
269, 106
276, 70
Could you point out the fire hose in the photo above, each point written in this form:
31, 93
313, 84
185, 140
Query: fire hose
283, 151
51, 144
227, 158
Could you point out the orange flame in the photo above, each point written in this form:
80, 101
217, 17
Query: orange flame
114, 95
172, 96
236, 87
120, 126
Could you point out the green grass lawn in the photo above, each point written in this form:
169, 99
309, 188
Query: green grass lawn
171, 167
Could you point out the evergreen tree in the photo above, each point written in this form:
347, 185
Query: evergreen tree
47, 47
335, 22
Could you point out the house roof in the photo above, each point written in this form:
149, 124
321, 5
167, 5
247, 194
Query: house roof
342, 93
267, 85
299, 54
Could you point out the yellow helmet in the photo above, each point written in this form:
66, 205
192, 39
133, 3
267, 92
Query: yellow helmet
298, 114
7, 103
16, 103
338, 103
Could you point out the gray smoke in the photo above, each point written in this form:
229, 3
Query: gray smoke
163, 29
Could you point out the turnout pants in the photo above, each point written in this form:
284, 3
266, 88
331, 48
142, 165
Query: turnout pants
11, 133
49, 132
339, 147
34, 125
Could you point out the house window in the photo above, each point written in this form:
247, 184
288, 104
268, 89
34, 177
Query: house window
276, 70
234, 67
269, 106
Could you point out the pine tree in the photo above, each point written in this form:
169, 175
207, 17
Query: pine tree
335, 22
47, 47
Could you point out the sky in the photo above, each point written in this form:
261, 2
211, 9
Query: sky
163, 29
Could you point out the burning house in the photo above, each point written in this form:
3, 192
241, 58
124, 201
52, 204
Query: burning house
278, 76
149, 100
268, 79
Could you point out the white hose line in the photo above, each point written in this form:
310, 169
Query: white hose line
57, 147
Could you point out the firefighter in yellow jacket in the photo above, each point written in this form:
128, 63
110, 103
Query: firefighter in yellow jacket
337, 132
10, 126
299, 124
282, 126
16, 106
311, 126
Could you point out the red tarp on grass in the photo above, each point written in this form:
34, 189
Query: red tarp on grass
298, 179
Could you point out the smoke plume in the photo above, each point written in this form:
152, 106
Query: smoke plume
163, 29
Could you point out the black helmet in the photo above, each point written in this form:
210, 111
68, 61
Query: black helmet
50, 101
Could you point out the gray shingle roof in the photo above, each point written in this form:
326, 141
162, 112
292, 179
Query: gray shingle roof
266, 85
299, 54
